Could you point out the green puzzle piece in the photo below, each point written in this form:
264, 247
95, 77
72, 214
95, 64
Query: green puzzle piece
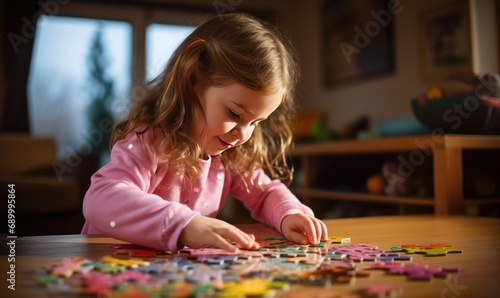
432, 252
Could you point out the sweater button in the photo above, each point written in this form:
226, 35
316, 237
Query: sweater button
130, 146
220, 175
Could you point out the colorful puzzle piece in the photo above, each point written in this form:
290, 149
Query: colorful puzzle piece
98, 282
339, 239
132, 263
364, 253
439, 249
191, 252
109, 268
413, 271
253, 287
66, 267
139, 253
211, 272
381, 290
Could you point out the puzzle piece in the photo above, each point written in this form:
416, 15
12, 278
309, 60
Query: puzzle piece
128, 291
339, 240
214, 272
413, 271
152, 268
109, 268
143, 253
364, 253
206, 275
430, 246
253, 287
311, 259
66, 267
132, 263
439, 249
98, 282
132, 276
45, 280
274, 238
381, 290
191, 252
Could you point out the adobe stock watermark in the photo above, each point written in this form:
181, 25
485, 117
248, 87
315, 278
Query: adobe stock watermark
49, 7
85, 147
222, 7
94, 137
372, 29
452, 288
455, 116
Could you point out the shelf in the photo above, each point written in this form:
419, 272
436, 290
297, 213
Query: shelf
481, 201
445, 152
352, 196
357, 146
395, 144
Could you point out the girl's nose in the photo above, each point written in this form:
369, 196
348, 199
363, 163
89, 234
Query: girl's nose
242, 132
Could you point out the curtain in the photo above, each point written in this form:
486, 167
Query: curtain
20, 18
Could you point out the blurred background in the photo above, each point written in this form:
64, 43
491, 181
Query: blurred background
71, 68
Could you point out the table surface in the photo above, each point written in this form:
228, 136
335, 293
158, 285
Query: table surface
478, 237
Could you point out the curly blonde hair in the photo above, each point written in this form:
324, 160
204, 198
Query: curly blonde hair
231, 48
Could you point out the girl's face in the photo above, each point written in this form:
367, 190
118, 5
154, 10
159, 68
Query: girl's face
231, 114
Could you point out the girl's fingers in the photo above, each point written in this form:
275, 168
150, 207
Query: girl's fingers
321, 229
236, 235
306, 226
222, 243
302, 228
311, 230
324, 231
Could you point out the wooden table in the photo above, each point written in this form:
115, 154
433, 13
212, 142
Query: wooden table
478, 237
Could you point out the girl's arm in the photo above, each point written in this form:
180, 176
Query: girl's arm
119, 202
272, 203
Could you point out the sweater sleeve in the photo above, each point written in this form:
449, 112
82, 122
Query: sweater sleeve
269, 201
119, 202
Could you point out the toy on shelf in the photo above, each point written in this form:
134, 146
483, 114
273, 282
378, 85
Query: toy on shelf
461, 104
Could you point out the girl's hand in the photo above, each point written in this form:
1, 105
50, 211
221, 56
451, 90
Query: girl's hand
302, 228
204, 231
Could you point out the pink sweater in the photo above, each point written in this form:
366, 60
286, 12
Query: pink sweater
136, 198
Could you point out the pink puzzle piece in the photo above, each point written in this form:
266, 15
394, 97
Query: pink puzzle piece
381, 290
98, 283
219, 252
66, 267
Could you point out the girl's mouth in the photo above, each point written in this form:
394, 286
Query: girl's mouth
224, 144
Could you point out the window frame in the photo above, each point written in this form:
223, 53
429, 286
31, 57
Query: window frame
140, 17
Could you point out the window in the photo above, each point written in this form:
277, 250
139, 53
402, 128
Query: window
73, 58
161, 42
86, 61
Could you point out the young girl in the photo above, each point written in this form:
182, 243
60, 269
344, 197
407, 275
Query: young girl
212, 124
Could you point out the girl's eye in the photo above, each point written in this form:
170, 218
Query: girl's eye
232, 114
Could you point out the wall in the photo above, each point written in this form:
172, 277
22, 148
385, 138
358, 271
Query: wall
384, 97
485, 15
2, 67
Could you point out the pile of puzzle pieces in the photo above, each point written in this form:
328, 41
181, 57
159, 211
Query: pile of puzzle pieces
138, 272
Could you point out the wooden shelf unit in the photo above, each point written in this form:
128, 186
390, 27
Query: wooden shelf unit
447, 167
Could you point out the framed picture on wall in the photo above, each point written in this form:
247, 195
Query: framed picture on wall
357, 40
445, 41
497, 8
